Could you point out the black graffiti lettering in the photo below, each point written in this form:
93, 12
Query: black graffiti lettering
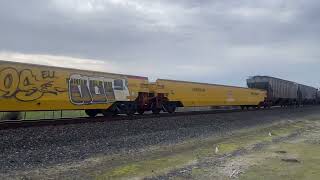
75, 92
109, 91
26, 85
29, 89
79, 91
26, 82
85, 92
90, 90
48, 74
48, 88
9, 81
97, 91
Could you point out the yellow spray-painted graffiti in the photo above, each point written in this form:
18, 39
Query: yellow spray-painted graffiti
24, 85
27, 87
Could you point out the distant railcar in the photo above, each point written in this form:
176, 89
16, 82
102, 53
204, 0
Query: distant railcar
307, 94
279, 91
318, 97
190, 94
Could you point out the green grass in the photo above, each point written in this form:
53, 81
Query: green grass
194, 151
148, 167
274, 168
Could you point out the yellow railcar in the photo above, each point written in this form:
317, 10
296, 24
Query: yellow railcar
191, 94
28, 87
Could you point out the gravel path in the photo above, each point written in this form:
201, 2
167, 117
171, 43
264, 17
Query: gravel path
28, 148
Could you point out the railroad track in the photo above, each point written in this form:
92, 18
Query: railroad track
12, 124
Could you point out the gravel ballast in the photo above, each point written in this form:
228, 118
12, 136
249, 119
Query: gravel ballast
38, 147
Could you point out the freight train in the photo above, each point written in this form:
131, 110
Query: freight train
30, 87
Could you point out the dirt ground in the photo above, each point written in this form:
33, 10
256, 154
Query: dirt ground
289, 149
286, 155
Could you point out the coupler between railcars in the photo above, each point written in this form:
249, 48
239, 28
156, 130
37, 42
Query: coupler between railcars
155, 103
265, 104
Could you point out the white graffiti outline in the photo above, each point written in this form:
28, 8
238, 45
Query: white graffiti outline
88, 79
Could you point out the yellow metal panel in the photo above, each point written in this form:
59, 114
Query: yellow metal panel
26, 87
201, 94
137, 84
157, 88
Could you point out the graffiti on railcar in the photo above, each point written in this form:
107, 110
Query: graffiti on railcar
26, 85
91, 90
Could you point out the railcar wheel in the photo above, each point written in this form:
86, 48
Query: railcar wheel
130, 109
140, 111
91, 112
170, 108
156, 111
173, 109
108, 113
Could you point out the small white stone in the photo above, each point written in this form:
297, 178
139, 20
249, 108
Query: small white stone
217, 149
183, 171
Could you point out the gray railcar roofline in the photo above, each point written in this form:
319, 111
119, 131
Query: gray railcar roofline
73, 69
272, 78
170, 80
307, 86
279, 79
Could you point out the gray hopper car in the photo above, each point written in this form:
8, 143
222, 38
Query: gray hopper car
279, 91
307, 94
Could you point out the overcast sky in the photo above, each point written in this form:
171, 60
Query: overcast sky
216, 41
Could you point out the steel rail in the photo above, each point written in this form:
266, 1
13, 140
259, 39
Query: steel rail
13, 124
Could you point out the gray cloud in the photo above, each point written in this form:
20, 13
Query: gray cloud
208, 40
